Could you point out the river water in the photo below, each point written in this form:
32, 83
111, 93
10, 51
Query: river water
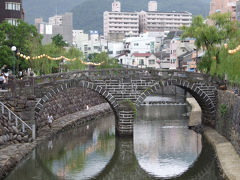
162, 148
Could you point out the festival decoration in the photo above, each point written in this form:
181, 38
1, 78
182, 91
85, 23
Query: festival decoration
56, 59
233, 51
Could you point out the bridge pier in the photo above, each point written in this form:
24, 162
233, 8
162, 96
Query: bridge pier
124, 125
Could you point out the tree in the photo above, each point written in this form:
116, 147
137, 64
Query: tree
210, 37
58, 41
23, 36
77, 64
103, 57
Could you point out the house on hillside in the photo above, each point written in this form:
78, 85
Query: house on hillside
124, 59
179, 47
163, 59
184, 61
144, 60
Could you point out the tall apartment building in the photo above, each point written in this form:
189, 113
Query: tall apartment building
223, 6
162, 21
117, 24
78, 37
59, 24
11, 11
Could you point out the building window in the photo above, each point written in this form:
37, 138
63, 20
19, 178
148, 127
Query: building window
133, 61
136, 44
13, 6
151, 61
12, 21
141, 62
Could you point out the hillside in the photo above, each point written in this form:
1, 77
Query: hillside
89, 14
47, 8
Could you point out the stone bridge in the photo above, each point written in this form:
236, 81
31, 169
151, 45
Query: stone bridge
124, 90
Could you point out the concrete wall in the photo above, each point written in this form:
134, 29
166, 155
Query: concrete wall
228, 117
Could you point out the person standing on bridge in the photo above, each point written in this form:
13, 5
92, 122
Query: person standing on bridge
50, 121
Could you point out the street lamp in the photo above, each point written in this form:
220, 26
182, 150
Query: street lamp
13, 50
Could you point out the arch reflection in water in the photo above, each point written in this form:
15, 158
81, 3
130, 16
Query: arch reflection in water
163, 144
76, 154
92, 152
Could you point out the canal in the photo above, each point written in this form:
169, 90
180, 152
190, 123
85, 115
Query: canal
162, 148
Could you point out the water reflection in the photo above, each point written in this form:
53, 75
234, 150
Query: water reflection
76, 154
162, 148
163, 144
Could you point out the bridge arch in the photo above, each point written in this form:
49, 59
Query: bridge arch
200, 92
74, 83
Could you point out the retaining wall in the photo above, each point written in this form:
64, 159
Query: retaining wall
67, 102
228, 117
12, 154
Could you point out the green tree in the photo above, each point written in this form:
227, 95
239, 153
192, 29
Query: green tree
58, 41
44, 65
76, 64
23, 36
210, 37
103, 57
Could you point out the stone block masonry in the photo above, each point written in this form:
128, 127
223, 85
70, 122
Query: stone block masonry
228, 117
67, 102
9, 134
228, 158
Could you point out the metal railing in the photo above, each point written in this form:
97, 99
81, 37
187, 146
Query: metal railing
18, 121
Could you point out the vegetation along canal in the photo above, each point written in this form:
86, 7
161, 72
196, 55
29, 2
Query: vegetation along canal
162, 148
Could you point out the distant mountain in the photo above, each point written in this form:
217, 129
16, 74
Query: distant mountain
89, 14
47, 8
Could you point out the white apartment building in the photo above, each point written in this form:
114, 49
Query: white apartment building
141, 44
117, 24
78, 37
158, 21
59, 24
55, 20
89, 44
115, 49
90, 47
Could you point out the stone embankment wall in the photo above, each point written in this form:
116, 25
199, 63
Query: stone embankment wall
228, 117
12, 154
9, 134
22, 100
67, 102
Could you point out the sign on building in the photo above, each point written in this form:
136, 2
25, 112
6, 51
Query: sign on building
41, 29
152, 47
48, 29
